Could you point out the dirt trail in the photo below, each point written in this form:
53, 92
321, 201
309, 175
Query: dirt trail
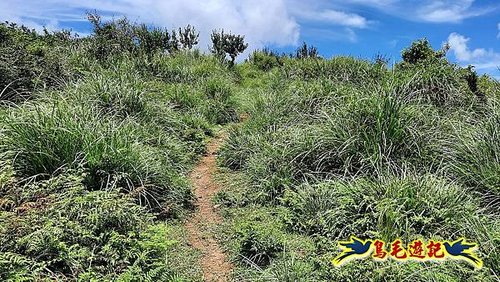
214, 262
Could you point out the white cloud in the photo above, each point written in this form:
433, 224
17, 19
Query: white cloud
377, 3
340, 18
498, 35
458, 44
262, 22
351, 35
445, 11
479, 57
337, 23
436, 11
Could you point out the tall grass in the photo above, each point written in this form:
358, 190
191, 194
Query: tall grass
89, 168
339, 133
391, 207
342, 147
474, 155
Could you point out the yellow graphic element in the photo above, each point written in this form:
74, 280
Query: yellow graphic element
463, 250
417, 250
355, 248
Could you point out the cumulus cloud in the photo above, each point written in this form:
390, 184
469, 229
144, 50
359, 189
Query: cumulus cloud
479, 57
458, 44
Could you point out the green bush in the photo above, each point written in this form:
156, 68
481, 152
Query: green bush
47, 138
184, 67
438, 83
338, 69
219, 107
257, 238
363, 134
421, 51
30, 61
371, 135
265, 59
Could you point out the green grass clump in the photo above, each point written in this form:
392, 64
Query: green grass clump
258, 243
440, 84
45, 139
365, 134
388, 208
474, 154
184, 67
219, 107
339, 69
258, 237
374, 133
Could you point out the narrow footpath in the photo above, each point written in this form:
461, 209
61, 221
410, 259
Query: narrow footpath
214, 263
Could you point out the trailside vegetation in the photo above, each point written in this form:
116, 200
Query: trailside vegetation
98, 134
343, 146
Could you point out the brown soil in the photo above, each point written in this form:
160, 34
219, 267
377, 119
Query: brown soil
214, 262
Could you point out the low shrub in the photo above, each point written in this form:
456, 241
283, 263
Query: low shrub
339, 69
30, 61
439, 83
257, 238
265, 59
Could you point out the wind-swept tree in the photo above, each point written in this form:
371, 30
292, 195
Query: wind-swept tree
188, 37
227, 43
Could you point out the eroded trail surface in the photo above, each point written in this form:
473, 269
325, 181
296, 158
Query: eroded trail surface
214, 262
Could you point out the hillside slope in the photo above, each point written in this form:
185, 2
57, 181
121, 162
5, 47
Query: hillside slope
107, 148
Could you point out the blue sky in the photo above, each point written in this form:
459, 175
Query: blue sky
361, 28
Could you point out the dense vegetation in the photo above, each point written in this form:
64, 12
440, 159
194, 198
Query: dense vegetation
343, 146
97, 135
